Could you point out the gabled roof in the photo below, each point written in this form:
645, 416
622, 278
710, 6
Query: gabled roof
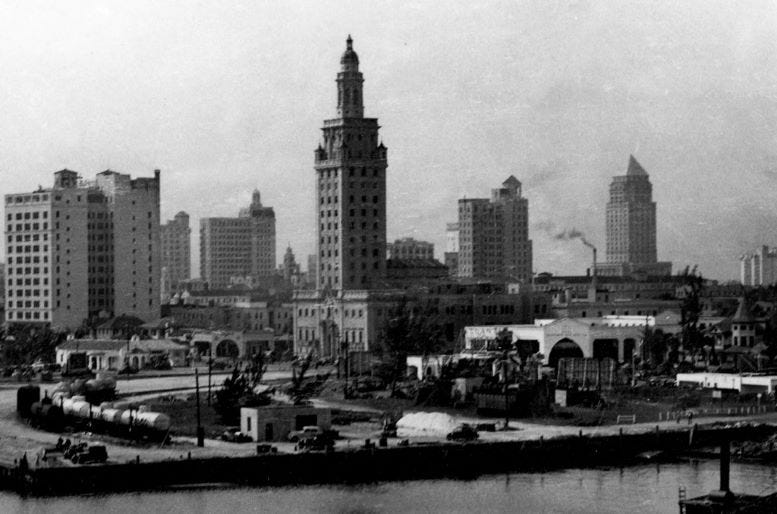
114, 345
512, 182
635, 168
120, 322
161, 323
156, 345
87, 345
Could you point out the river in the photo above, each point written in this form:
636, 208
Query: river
646, 488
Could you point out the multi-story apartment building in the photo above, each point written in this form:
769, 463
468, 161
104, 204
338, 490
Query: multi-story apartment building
759, 267
409, 248
631, 226
350, 166
176, 252
493, 236
80, 249
238, 247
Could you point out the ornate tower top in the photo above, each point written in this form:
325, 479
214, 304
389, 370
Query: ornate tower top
349, 84
349, 61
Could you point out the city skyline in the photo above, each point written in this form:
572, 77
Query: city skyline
153, 94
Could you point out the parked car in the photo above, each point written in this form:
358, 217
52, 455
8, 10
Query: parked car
234, 435
320, 442
463, 432
95, 453
307, 432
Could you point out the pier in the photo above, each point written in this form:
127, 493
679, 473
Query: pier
371, 463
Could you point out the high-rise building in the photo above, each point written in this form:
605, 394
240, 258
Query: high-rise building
631, 226
350, 166
176, 251
759, 267
493, 235
81, 249
238, 247
409, 248
452, 249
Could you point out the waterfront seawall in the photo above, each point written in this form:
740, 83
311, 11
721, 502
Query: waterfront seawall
372, 464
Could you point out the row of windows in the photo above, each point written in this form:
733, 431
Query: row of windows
28, 237
28, 292
28, 226
29, 270
29, 215
35, 259
29, 315
28, 198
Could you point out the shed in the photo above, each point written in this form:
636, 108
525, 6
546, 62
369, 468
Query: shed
273, 423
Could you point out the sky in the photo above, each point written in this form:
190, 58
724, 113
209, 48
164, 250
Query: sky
226, 97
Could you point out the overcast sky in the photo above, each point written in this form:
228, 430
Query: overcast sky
229, 96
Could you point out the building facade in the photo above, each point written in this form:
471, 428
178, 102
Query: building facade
357, 320
175, 237
350, 166
238, 247
452, 249
409, 248
604, 337
759, 267
493, 236
82, 249
631, 226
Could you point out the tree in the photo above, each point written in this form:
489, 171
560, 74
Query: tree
411, 327
23, 344
690, 309
238, 390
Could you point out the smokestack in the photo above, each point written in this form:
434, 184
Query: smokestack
593, 267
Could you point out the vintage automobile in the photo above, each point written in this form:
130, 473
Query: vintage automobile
87, 454
463, 432
234, 435
307, 432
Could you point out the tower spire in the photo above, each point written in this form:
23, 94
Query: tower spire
349, 84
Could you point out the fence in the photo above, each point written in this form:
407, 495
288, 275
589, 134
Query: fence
719, 411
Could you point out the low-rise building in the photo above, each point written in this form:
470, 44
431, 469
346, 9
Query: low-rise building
273, 423
742, 383
112, 355
614, 338
357, 320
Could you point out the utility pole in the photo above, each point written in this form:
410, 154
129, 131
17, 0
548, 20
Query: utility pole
210, 367
346, 394
505, 371
200, 430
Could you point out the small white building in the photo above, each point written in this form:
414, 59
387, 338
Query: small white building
273, 423
742, 383
111, 354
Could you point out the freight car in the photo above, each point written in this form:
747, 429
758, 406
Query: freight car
62, 410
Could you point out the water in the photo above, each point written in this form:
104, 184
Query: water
648, 488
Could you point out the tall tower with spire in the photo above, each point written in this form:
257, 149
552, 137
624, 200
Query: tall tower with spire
350, 164
631, 221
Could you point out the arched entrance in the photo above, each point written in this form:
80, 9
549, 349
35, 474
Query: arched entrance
564, 348
227, 348
606, 349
